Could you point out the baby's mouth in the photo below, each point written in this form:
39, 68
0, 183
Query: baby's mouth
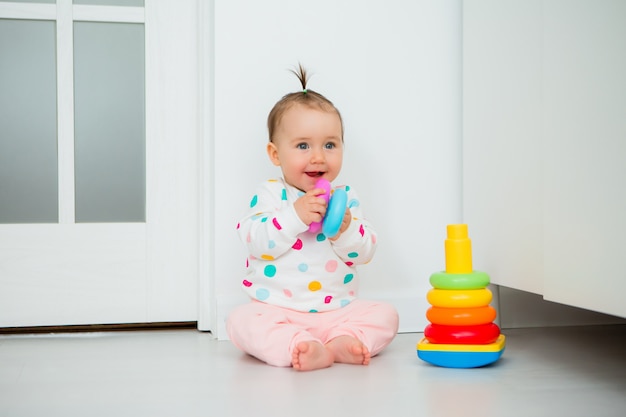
315, 174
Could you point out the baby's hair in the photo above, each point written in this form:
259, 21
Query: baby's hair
302, 76
304, 97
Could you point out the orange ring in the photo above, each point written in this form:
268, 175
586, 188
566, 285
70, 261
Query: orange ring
461, 316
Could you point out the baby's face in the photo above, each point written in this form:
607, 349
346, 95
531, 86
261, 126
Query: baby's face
307, 146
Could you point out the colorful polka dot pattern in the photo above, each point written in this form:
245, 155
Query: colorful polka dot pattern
314, 286
328, 277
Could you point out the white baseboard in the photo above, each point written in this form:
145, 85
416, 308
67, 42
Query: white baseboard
225, 304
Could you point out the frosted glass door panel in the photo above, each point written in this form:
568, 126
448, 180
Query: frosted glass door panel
28, 122
109, 122
136, 3
33, 1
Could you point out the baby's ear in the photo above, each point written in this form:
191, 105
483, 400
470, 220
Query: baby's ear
272, 152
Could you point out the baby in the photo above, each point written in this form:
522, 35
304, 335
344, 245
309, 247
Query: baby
304, 311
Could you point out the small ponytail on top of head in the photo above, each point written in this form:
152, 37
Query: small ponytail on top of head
302, 75
304, 97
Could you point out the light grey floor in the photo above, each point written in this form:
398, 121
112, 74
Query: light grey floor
575, 371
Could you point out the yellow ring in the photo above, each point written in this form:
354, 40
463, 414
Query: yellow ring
459, 298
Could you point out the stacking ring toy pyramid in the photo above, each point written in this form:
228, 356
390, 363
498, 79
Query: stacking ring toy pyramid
461, 333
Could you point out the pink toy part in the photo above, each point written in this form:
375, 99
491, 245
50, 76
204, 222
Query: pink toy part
316, 227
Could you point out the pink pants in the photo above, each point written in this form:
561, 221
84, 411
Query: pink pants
270, 333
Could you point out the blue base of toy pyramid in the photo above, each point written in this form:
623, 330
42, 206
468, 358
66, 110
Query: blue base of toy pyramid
461, 356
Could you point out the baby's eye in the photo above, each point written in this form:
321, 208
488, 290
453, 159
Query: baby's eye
302, 146
330, 145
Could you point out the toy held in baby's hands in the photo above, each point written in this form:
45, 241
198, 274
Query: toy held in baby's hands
331, 223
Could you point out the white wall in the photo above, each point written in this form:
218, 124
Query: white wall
393, 69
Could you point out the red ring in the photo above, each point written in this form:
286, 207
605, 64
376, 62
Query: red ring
481, 334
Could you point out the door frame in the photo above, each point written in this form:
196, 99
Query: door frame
207, 305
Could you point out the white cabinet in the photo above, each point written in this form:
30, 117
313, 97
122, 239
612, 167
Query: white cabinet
544, 147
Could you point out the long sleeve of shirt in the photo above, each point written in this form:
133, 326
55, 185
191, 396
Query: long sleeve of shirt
272, 225
357, 244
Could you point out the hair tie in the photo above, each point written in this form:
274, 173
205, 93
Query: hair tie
304, 91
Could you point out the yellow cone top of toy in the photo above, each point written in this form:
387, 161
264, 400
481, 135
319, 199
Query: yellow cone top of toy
458, 248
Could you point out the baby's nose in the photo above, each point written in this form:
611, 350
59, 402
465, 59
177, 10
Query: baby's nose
317, 155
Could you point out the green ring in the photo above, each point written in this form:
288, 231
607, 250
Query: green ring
472, 281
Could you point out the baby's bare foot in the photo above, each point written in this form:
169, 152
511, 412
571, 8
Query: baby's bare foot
347, 349
310, 355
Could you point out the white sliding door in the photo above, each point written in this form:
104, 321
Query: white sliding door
99, 162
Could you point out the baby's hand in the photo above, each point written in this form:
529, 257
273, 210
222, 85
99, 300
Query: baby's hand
345, 222
311, 208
